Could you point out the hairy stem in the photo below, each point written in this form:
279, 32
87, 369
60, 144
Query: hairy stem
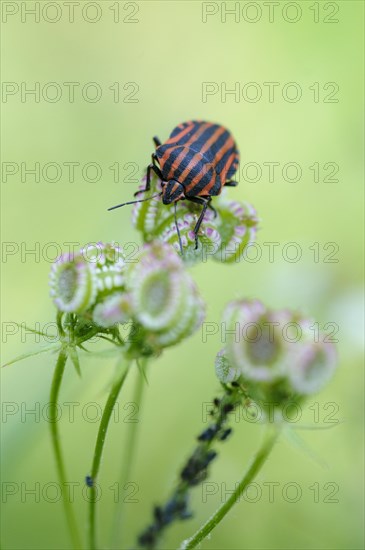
55, 437
257, 463
99, 447
130, 447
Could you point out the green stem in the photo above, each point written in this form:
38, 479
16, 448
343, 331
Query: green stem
259, 460
130, 447
55, 389
99, 446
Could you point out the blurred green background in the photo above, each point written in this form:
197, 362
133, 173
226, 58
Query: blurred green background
168, 52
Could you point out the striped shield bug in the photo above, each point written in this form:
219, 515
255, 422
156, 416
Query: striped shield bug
194, 164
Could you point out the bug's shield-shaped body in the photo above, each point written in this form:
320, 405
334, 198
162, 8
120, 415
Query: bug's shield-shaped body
201, 156
197, 160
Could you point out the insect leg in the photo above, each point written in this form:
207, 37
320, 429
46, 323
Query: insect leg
156, 170
201, 217
178, 230
231, 183
213, 209
156, 141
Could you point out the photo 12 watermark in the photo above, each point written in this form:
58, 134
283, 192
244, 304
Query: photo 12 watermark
270, 92
74, 12
271, 252
130, 172
51, 492
270, 12
256, 412
67, 411
272, 492
70, 92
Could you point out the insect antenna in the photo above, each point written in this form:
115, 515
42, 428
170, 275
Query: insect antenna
178, 230
134, 202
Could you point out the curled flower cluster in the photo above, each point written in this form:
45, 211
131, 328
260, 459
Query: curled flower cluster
224, 234
154, 293
163, 295
275, 354
79, 280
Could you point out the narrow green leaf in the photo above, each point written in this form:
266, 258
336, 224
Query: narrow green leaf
111, 352
314, 428
31, 354
23, 326
297, 441
142, 371
75, 359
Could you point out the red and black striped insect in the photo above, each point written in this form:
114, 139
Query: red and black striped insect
194, 164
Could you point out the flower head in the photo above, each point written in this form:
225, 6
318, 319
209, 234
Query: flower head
256, 346
275, 352
73, 284
224, 370
108, 261
164, 298
78, 280
237, 226
315, 363
155, 294
228, 226
114, 309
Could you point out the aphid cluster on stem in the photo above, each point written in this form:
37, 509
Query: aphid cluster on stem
89, 481
195, 470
